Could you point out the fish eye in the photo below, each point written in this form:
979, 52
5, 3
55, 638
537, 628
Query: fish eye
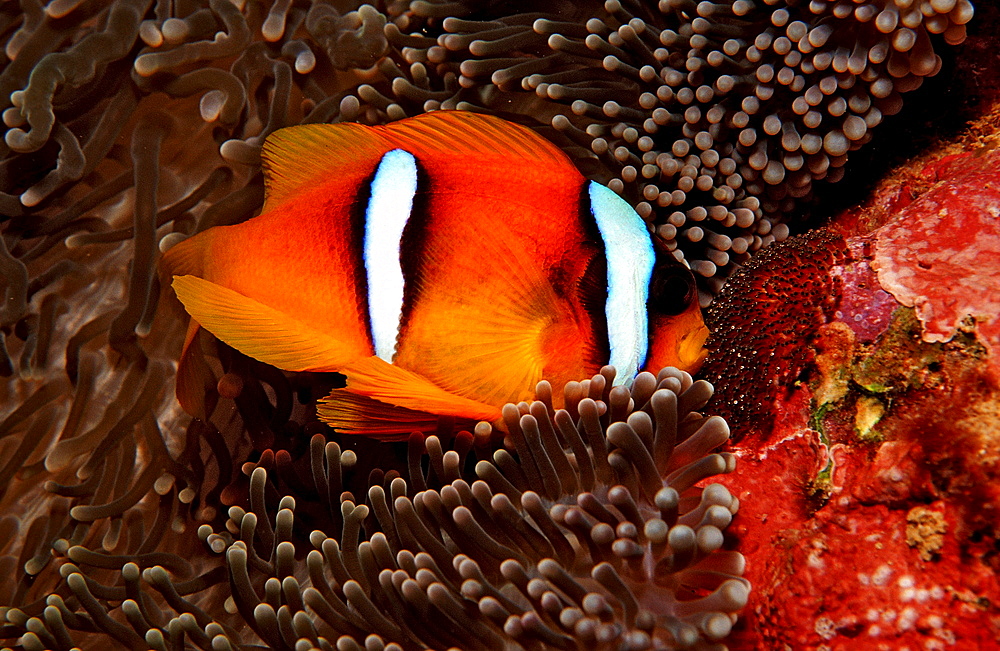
671, 289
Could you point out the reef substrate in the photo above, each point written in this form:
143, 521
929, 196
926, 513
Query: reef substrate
870, 459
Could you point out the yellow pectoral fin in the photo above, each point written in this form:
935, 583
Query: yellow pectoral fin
377, 379
260, 331
689, 334
692, 351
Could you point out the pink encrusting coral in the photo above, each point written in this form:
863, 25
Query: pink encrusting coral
942, 255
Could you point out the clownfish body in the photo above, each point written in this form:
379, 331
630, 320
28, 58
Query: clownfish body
444, 264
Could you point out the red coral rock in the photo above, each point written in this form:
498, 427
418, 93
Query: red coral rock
942, 255
869, 472
853, 581
855, 546
898, 474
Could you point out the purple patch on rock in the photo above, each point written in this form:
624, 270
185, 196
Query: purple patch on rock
864, 306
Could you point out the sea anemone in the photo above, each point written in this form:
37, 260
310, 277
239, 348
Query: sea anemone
713, 118
589, 528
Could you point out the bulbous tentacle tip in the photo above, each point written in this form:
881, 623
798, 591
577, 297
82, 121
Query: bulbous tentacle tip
570, 535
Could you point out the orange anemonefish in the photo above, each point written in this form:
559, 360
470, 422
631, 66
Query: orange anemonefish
444, 264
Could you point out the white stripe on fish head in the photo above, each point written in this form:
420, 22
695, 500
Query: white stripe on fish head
389, 207
628, 249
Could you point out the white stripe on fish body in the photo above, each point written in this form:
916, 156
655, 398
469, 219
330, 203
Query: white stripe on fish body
630, 259
389, 209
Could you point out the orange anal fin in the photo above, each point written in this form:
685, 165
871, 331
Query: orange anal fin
377, 379
353, 413
258, 330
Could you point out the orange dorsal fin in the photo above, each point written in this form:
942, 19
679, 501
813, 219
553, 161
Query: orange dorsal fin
459, 135
376, 379
308, 155
260, 331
